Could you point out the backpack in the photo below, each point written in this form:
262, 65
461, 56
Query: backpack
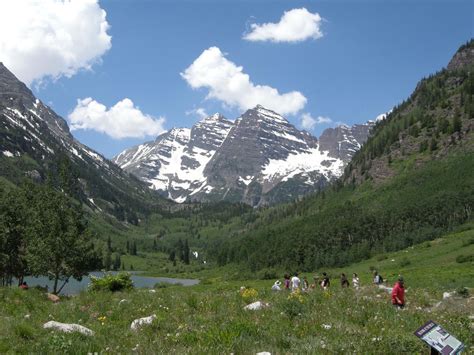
380, 279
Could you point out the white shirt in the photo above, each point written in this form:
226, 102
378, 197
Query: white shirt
356, 282
295, 283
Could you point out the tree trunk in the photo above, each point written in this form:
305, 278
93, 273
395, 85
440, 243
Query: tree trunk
64, 284
55, 287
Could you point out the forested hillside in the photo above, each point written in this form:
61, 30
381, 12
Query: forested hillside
410, 182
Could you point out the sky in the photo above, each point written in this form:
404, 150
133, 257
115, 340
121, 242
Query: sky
123, 71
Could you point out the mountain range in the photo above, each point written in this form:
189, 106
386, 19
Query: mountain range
259, 159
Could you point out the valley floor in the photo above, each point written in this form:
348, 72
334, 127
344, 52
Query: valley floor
209, 318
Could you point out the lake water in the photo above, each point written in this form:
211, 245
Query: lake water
74, 286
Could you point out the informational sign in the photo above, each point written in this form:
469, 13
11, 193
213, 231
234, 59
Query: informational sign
439, 339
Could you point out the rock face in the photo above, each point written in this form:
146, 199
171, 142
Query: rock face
259, 159
34, 140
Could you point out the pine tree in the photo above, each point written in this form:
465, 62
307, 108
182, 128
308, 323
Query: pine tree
186, 252
457, 123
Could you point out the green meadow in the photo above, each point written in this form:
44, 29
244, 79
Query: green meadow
209, 318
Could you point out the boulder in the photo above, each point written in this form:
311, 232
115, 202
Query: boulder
68, 328
53, 298
137, 323
256, 306
264, 353
386, 288
447, 295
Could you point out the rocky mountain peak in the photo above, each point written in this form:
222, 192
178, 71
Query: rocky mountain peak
259, 158
463, 57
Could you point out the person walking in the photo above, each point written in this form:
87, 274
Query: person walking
378, 280
398, 293
295, 282
305, 287
355, 281
344, 281
287, 282
325, 283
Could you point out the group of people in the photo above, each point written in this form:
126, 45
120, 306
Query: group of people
294, 284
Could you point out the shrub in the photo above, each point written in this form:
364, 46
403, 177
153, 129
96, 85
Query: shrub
249, 295
381, 257
293, 306
404, 262
464, 258
267, 274
463, 292
119, 282
468, 242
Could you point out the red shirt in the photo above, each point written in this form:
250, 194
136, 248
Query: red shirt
398, 292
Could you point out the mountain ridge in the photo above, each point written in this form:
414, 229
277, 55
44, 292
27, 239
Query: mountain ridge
260, 158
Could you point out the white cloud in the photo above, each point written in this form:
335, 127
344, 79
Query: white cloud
308, 122
123, 120
51, 38
200, 112
228, 83
296, 25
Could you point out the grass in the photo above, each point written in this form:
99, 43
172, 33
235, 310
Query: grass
209, 318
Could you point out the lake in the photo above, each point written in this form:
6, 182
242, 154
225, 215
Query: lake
74, 286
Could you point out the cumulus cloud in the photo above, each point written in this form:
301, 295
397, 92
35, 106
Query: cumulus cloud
228, 83
51, 38
296, 25
200, 112
308, 122
123, 120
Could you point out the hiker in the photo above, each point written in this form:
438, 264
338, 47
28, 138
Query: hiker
276, 286
287, 282
344, 281
355, 281
24, 286
295, 282
305, 284
398, 293
325, 283
378, 280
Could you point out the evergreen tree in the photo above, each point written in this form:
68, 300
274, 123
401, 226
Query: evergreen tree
172, 256
109, 244
457, 123
117, 262
186, 252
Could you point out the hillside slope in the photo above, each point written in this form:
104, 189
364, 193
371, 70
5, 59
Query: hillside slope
36, 143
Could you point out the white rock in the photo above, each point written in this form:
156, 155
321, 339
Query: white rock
68, 328
326, 326
152, 291
256, 306
264, 353
447, 295
137, 323
123, 301
386, 288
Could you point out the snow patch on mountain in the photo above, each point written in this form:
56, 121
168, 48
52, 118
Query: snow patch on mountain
304, 162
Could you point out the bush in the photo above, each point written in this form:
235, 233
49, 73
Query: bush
249, 295
404, 262
119, 282
267, 274
293, 306
463, 292
381, 257
464, 258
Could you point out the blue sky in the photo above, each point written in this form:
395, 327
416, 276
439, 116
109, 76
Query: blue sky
370, 57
